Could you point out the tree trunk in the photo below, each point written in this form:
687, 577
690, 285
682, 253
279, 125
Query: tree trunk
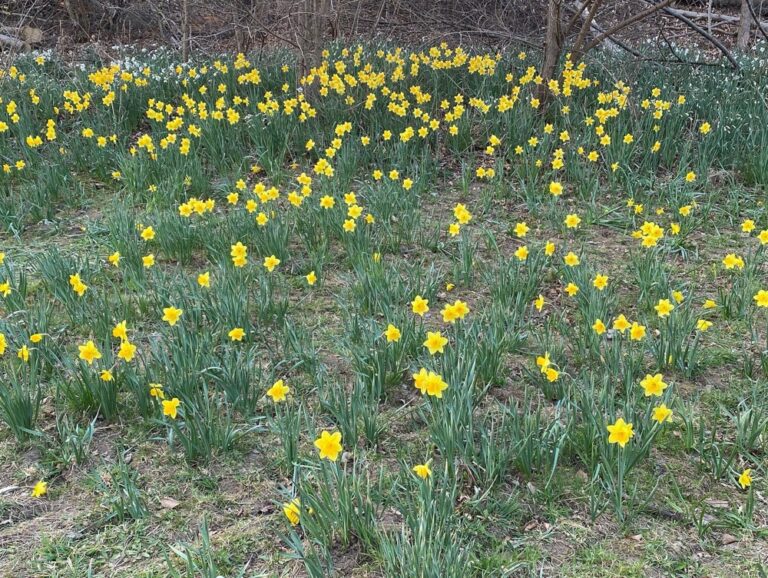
314, 20
553, 46
185, 32
745, 24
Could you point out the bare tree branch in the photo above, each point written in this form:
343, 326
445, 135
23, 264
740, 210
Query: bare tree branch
699, 30
585, 28
13, 42
628, 22
757, 20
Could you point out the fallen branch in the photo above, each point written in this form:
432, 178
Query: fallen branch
759, 24
610, 40
628, 22
702, 15
14, 43
25, 34
699, 30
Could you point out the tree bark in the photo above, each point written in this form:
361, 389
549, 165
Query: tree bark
745, 25
185, 32
553, 45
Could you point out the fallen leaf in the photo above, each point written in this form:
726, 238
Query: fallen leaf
168, 503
